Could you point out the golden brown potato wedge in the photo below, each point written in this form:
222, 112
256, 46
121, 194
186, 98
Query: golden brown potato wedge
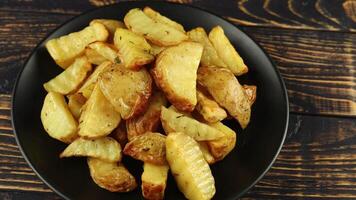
110, 24
251, 93
149, 147
111, 176
208, 108
98, 117
221, 147
149, 120
204, 148
158, 33
75, 104
94, 57
154, 181
189, 168
87, 88
134, 49
175, 72
156, 16
106, 51
120, 134
71, 78
210, 56
227, 52
227, 92
128, 91
57, 119
104, 148
173, 121
66, 48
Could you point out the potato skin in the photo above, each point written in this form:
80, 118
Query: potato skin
128, 91
251, 93
227, 52
149, 147
57, 120
152, 191
175, 70
208, 108
227, 92
120, 134
111, 176
223, 146
149, 120
154, 181
182, 103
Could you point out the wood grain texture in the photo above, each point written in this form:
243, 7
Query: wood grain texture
307, 167
333, 15
312, 44
317, 161
318, 67
19, 34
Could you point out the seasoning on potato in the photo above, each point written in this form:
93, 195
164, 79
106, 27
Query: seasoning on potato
149, 90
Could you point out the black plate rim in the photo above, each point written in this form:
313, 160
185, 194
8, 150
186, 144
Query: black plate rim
280, 79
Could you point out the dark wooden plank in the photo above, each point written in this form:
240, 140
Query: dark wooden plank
318, 160
318, 66
19, 34
10, 195
295, 14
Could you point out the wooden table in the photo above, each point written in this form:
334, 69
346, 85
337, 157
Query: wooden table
313, 43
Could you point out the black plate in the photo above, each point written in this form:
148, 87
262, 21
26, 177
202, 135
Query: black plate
257, 148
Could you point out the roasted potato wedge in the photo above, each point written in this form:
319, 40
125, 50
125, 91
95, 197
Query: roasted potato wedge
106, 51
134, 49
210, 56
227, 52
99, 118
104, 148
75, 104
110, 24
158, 33
221, 147
251, 93
57, 119
175, 72
189, 168
173, 121
208, 108
128, 91
71, 78
111, 175
120, 134
204, 148
149, 147
156, 16
66, 48
87, 88
94, 57
154, 181
227, 92
149, 120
